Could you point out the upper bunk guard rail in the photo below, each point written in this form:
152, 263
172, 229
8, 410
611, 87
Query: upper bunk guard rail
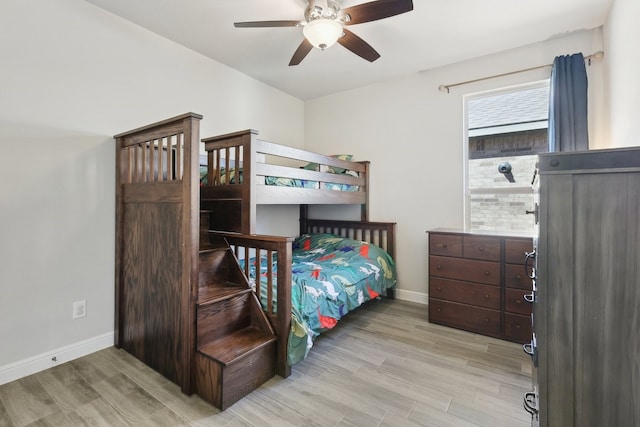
157, 243
259, 160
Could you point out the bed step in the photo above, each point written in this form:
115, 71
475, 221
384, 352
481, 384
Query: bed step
234, 365
226, 314
236, 344
213, 294
217, 265
233, 347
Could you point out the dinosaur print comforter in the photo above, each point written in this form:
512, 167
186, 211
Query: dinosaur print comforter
331, 276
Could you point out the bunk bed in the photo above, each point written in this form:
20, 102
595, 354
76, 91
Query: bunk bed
190, 268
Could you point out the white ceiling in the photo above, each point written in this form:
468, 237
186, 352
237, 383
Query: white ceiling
435, 33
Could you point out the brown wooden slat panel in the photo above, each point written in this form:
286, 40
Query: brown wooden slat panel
517, 328
467, 317
166, 125
158, 192
220, 319
151, 296
487, 272
515, 302
514, 250
481, 247
515, 277
445, 244
469, 293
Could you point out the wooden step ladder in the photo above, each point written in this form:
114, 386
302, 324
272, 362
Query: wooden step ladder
235, 343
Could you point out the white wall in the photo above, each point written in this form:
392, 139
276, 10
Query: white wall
72, 76
622, 62
413, 135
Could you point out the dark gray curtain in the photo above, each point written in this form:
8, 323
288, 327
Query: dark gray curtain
568, 126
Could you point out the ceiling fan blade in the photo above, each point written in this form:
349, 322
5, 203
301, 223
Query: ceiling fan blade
301, 52
268, 24
374, 10
358, 46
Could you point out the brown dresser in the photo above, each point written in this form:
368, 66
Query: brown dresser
478, 283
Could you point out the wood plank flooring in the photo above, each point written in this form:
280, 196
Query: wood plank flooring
384, 365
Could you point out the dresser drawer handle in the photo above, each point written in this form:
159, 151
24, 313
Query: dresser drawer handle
439, 289
518, 301
528, 348
481, 249
530, 297
487, 273
518, 276
486, 320
444, 246
530, 403
439, 267
486, 296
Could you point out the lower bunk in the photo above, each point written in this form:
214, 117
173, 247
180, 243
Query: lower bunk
307, 284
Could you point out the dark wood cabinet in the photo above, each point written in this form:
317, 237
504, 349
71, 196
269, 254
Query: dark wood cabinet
478, 283
587, 309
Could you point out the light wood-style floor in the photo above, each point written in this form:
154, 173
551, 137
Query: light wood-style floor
384, 365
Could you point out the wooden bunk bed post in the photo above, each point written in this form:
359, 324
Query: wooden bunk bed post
191, 230
283, 319
249, 208
226, 198
364, 215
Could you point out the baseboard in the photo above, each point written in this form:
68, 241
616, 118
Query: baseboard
22, 368
419, 297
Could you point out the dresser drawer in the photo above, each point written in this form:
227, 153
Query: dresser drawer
480, 247
470, 318
445, 244
514, 302
515, 277
487, 296
514, 250
467, 270
517, 328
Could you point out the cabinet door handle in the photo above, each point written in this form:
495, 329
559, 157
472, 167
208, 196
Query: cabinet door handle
528, 348
529, 403
530, 297
530, 270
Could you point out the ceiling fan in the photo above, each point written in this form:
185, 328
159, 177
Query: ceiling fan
325, 22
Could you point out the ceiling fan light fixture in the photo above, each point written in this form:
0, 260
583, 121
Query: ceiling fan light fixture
322, 33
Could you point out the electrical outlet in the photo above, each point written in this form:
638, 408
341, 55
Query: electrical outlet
79, 309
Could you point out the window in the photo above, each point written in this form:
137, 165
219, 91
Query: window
505, 131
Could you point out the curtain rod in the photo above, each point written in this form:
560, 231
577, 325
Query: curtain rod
597, 55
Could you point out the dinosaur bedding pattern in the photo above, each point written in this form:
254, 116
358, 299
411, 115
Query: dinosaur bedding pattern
331, 276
